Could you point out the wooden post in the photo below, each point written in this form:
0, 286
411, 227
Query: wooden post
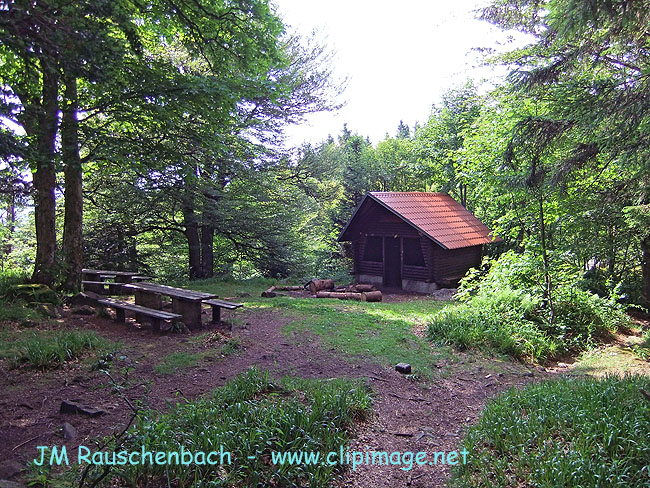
155, 324
120, 314
189, 309
216, 314
147, 299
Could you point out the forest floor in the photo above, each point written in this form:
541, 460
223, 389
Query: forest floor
427, 411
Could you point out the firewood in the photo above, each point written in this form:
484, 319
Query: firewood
371, 296
270, 293
316, 285
339, 295
289, 287
363, 287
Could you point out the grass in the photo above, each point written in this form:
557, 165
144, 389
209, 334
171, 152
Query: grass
171, 363
48, 349
19, 312
176, 361
252, 415
377, 331
516, 323
568, 432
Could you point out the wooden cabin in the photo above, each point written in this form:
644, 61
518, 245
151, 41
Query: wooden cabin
414, 241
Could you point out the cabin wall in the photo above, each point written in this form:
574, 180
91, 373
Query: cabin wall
449, 265
441, 267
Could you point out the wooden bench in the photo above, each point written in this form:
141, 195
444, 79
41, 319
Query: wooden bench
156, 316
217, 305
99, 287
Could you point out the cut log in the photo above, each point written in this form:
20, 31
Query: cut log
363, 287
371, 296
289, 288
318, 285
270, 293
339, 295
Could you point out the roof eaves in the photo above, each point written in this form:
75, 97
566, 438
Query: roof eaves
354, 214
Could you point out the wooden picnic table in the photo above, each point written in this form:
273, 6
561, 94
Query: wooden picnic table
99, 274
184, 302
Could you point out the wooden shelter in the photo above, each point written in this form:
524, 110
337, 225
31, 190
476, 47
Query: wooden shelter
413, 240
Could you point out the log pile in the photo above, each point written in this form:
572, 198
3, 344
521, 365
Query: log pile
370, 296
325, 288
319, 285
273, 291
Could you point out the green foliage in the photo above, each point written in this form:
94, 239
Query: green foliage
506, 310
562, 433
32, 293
251, 415
50, 349
643, 350
10, 279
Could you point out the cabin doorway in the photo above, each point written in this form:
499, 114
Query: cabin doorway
392, 262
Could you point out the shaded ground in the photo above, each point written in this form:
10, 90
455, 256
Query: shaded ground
410, 415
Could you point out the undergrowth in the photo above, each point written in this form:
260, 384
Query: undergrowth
49, 349
507, 311
565, 432
251, 416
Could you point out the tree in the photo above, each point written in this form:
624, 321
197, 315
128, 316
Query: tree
439, 143
589, 63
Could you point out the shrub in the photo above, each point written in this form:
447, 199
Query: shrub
505, 310
567, 432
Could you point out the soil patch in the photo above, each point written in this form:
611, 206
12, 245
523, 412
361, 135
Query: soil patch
409, 415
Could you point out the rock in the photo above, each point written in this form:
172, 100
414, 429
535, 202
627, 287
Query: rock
72, 407
28, 323
83, 310
46, 309
10, 484
444, 294
403, 368
69, 432
562, 365
84, 298
9, 469
33, 293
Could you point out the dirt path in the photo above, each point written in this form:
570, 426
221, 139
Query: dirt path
410, 416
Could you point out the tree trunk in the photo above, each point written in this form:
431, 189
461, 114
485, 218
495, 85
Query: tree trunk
44, 180
645, 287
72, 226
548, 291
11, 223
207, 249
192, 235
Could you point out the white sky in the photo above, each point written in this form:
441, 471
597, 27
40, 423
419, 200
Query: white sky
400, 57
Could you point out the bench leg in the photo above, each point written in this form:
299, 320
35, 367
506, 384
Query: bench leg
155, 324
149, 300
216, 314
190, 310
120, 315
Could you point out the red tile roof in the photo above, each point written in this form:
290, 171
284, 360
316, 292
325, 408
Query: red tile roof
438, 216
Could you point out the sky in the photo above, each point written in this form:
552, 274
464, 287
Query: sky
399, 58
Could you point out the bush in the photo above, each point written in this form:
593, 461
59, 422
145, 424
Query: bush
505, 310
562, 433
